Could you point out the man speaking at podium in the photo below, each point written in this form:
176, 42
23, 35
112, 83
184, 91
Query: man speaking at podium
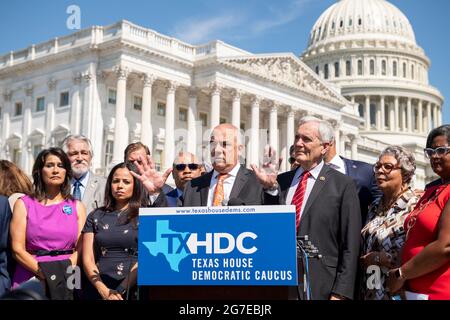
229, 183
327, 210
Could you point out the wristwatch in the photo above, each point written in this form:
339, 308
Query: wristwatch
399, 274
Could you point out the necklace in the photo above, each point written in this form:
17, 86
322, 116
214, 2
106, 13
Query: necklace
383, 208
421, 206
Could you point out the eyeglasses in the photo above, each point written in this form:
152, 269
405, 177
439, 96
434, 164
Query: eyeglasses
291, 160
387, 167
182, 166
440, 152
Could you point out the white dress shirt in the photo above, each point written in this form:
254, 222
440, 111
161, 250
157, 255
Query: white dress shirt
309, 184
84, 181
228, 184
337, 164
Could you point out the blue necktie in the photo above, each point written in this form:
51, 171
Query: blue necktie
77, 190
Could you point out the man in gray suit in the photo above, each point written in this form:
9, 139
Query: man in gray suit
86, 186
327, 210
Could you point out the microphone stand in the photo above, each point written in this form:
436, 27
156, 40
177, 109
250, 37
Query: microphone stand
306, 249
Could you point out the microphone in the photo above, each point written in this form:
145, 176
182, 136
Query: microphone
233, 202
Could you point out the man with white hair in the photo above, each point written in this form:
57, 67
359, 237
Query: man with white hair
86, 186
327, 210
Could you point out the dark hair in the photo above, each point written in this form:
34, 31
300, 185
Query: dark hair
38, 182
133, 147
291, 149
139, 198
13, 180
437, 132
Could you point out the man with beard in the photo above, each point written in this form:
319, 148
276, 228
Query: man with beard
86, 186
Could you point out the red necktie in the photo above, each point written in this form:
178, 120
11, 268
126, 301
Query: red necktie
299, 194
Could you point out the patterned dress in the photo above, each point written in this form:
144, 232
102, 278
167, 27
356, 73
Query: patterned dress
115, 248
384, 232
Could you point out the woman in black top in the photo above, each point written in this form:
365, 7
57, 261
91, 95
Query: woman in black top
110, 239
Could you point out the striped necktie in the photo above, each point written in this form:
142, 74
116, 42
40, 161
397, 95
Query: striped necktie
299, 194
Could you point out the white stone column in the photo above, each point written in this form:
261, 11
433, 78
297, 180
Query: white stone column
273, 127
121, 128
397, 114
383, 113
192, 116
342, 138
420, 115
215, 105
26, 130
146, 115
439, 115
50, 110
75, 109
426, 118
290, 130
169, 142
367, 113
6, 114
392, 126
236, 109
435, 116
409, 116
403, 107
284, 150
354, 144
254, 135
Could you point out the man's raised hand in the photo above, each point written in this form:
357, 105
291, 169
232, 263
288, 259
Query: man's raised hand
148, 176
268, 173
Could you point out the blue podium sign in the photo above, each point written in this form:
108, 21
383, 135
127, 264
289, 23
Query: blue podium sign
217, 246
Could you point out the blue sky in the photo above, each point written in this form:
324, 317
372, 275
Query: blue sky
259, 26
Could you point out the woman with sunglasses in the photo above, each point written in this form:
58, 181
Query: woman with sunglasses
383, 235
425, 269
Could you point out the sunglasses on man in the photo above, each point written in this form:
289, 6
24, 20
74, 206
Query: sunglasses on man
182, 166
440, 152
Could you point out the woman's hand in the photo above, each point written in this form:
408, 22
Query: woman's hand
393, 283
109, 294
377, 258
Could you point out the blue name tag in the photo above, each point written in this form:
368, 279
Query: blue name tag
67, 209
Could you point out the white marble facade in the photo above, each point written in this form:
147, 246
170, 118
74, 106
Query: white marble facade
123, 83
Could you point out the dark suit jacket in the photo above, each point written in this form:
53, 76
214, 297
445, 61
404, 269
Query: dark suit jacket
173, 200
332, 220
5, 250
366, 185
246, 188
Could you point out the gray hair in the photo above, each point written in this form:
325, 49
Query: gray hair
76, 137
405, 160
326, 131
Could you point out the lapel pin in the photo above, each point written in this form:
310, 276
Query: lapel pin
322, 178
354, 167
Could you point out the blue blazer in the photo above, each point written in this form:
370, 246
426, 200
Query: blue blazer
5, 249
366, 186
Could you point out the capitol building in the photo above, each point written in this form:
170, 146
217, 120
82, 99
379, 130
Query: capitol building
362, 70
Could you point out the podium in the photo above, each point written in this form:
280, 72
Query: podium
217, 253
219, 293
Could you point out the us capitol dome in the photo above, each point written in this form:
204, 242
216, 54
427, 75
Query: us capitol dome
368, 50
